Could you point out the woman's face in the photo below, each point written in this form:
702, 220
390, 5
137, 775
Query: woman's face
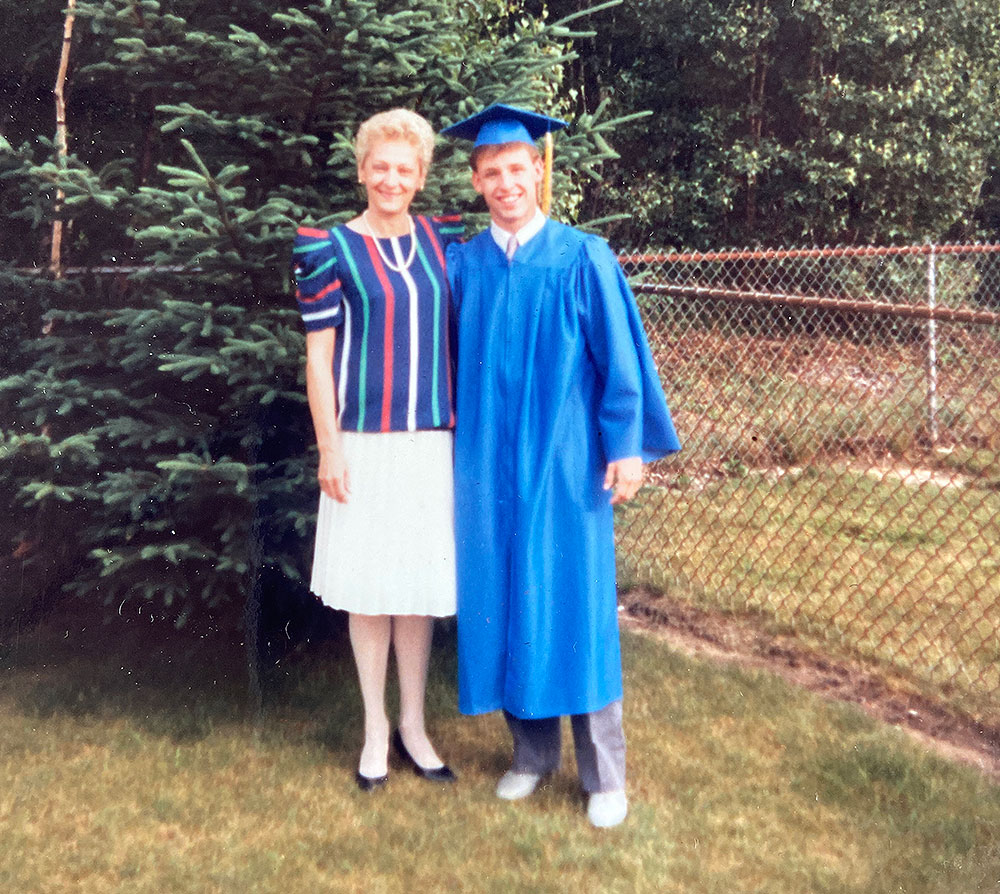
392, 174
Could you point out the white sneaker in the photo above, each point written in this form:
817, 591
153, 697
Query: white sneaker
606, 809
514, 786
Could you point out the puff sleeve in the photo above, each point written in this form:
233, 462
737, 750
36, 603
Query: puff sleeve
450, 228
318, 289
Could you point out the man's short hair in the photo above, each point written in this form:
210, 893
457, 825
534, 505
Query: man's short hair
496, 148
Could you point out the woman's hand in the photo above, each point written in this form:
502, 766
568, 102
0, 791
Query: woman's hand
334, 478
321, 390
625, 476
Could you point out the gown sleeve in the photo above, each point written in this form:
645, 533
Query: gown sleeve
633, 418
318, 289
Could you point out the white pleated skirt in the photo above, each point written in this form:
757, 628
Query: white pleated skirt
390, 549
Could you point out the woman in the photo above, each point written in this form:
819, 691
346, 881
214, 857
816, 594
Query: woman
374, 299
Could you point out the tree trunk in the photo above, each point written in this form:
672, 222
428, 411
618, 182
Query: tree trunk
755, 110
62, 141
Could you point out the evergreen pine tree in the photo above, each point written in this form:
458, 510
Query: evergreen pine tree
155, 423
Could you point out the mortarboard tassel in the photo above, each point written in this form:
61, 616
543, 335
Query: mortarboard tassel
546, 202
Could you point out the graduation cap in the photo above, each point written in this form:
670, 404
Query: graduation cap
498, 124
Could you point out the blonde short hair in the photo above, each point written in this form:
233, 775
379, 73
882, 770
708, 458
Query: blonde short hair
396, 124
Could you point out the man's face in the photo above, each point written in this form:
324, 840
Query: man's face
509, 179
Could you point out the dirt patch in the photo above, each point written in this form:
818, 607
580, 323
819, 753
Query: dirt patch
914, 477
743, 641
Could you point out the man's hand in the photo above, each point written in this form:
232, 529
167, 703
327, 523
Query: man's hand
625, 476
334, 479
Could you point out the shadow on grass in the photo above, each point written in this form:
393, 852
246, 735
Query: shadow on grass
174, 683
181, 685
167, 684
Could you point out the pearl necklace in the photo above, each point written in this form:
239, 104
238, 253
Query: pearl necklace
385, 258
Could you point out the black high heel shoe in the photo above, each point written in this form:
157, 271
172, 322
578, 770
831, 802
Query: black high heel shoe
370, 783
438, 774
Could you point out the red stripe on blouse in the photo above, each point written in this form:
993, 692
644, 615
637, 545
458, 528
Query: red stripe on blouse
316, 234
390, 317
447, 341
434, 239
447, 360
322, 293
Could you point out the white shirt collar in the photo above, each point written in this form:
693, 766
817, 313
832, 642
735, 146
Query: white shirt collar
531, 229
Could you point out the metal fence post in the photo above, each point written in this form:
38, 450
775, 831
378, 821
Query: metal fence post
932, 359
813, 398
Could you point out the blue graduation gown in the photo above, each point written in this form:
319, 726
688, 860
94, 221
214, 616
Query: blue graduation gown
554, 380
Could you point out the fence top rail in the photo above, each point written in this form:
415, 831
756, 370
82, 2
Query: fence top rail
774, 254
626, 258
920, 311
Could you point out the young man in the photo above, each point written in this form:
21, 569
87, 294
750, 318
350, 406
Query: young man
558, 404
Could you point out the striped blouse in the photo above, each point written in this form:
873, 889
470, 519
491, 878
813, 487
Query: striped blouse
392, 363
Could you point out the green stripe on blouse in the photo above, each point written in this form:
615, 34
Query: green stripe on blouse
321, 269
366, 313
432, 276
312, 246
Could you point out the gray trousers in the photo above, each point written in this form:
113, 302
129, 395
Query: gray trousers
598, 740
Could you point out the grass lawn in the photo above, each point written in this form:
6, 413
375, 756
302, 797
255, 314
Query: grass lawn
907, 576
127, 765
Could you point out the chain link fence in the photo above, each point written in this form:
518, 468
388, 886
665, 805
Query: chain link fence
840, 415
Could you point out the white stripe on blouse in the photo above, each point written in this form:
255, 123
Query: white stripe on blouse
411, 288
344, 354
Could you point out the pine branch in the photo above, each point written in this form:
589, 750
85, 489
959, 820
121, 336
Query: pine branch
225, 218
